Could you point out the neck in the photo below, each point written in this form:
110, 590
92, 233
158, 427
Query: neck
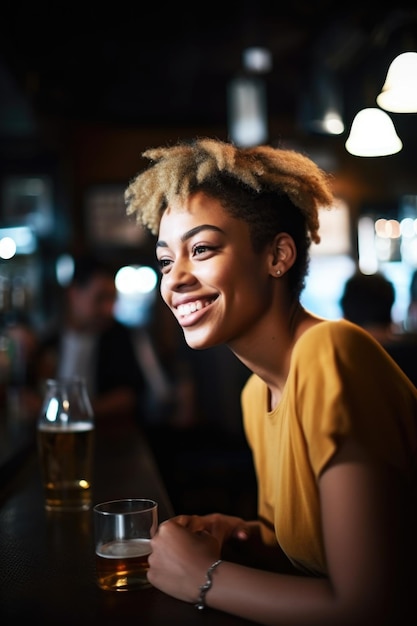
268, 353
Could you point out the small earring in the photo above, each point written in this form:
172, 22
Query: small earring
278, 272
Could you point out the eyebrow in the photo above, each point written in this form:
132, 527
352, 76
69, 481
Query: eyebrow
191, 233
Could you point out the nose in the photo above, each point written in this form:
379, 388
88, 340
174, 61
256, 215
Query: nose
179, 276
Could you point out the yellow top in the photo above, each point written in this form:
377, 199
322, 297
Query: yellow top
340, 382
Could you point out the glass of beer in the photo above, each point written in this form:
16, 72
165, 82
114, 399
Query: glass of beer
123, 529
65, 435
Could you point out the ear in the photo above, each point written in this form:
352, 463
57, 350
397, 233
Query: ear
283, 254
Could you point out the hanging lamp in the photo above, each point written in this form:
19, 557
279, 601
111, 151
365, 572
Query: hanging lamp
399, 93
247, 99
373, 134
247, 107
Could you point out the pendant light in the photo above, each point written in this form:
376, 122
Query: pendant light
399, 93
247, 99
248, 125
373, 134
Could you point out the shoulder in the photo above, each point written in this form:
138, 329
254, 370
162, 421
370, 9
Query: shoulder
346, 358
336, 335
327, 342
342, 351
333, 329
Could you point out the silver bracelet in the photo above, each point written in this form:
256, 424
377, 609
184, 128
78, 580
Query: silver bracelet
201, 602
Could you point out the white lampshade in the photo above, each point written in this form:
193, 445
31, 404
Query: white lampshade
399, 93
373, 134
248, 122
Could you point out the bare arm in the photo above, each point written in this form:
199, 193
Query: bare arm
358, 522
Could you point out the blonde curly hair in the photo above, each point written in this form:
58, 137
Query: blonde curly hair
177, 171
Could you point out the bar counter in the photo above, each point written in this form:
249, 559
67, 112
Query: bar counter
47, 567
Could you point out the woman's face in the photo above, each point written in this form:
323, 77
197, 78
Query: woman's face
214, 283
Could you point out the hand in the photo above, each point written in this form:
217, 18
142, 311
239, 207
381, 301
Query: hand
222, 527
180, 558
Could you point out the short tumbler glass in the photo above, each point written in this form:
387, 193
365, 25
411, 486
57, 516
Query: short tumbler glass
123, 529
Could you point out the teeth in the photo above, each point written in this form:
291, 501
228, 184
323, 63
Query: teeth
191, 307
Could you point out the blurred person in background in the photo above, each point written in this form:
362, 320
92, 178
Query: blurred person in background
89, 341
330, 419
367, 300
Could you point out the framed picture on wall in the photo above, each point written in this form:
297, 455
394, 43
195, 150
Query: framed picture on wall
106, 219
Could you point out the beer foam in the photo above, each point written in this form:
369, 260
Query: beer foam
71, 427
128, 549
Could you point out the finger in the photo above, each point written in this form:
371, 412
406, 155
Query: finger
195, 523
182, 520
242, 533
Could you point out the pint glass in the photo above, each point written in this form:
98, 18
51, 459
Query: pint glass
65, 434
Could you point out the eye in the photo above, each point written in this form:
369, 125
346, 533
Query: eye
201, 249
163, 264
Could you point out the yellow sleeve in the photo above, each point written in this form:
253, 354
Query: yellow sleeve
346, 384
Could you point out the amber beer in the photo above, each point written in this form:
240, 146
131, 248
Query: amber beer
66, 458
123, 530
122, 564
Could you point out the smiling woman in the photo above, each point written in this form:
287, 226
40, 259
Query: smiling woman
202, 271
329, 418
